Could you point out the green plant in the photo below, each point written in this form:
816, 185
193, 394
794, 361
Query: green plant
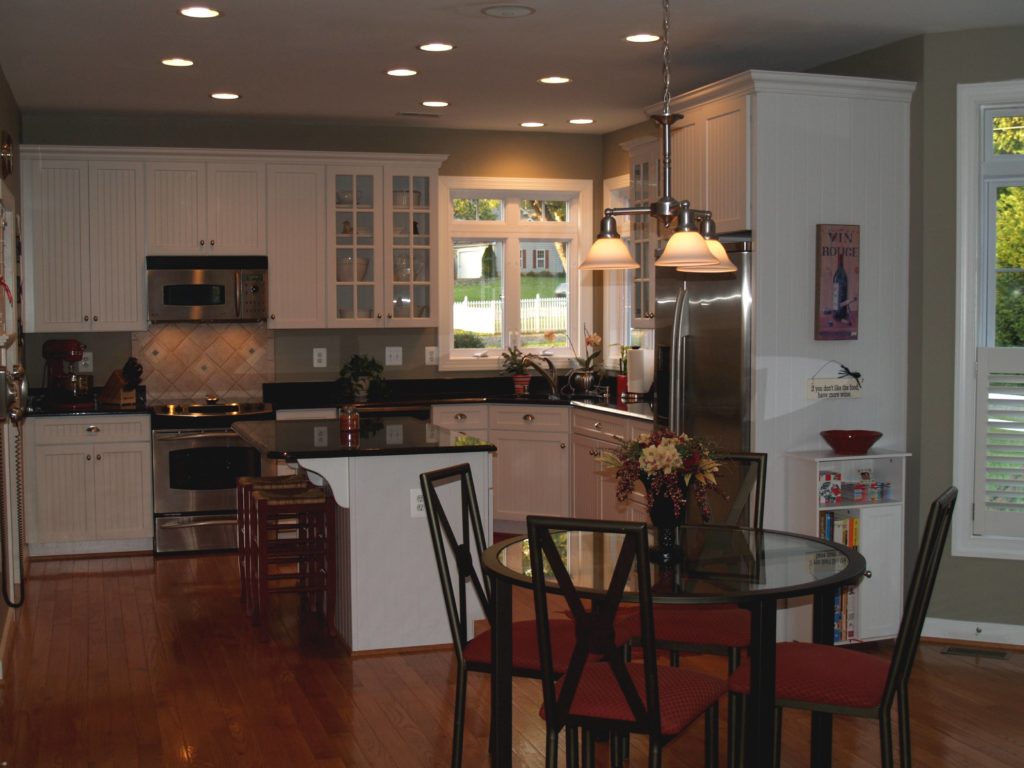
361, 377
468, 340
361, 366
513, 361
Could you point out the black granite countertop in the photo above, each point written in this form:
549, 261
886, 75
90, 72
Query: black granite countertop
377, 436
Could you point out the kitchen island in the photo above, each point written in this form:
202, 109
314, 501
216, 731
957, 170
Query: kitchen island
389, 594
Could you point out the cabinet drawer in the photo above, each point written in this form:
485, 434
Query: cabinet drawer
543, 418
54, 430
599, 426
460, 417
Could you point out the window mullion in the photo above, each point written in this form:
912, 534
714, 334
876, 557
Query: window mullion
512, 288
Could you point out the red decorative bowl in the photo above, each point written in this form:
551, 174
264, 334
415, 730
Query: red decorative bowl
850, 442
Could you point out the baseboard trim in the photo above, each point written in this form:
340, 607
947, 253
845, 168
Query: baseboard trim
974, 631
7, 638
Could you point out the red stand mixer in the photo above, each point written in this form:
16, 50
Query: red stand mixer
66, 389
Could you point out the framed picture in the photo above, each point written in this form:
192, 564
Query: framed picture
837, 301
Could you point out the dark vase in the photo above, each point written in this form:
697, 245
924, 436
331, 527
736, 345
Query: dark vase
662, 514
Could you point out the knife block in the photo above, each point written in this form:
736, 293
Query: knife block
113, 392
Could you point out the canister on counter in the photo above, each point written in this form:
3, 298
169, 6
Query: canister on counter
349, 419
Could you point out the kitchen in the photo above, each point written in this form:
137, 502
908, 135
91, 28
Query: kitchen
597, 157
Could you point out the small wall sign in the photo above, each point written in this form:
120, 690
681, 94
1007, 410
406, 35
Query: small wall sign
837, 263
833, 389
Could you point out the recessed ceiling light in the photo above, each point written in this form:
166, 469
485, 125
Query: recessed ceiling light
435, 104
581, 121
199, 12
436, 47
401, 72
643, 38
507, 11
174, 61
224, 96
554, 80
532, 124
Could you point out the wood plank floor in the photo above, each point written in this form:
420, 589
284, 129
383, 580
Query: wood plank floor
136, 661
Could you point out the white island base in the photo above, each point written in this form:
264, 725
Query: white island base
389, 592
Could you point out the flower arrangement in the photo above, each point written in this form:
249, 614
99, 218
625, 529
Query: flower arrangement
591, 349
666, 463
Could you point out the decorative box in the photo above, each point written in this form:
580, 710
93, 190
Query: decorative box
855, 492
830, 489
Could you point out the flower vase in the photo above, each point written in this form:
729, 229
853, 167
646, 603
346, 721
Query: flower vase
581, 380
521, 382
663, 516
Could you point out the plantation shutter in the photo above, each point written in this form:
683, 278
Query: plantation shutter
999, 451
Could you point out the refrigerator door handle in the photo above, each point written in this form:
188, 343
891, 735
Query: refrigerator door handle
680, 330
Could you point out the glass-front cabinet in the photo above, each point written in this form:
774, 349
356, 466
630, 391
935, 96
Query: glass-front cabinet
410, 249
643, 230
354, 270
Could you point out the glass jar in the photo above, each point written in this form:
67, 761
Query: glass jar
349, 419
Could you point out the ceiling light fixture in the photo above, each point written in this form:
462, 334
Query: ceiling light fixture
532, 124
434, 104
687, 247
507, 11
402, 72
175, 61
436, 47
224, 96
581, 121
199, 12
643, 37
554, 80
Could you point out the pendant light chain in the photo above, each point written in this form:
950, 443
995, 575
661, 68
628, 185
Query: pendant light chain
666, 58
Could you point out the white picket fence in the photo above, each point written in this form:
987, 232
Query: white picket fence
537, 315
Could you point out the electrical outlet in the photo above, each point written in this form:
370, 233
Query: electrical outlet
319, 437
85, 364
430, 355
319, 357
392, 355
417, 507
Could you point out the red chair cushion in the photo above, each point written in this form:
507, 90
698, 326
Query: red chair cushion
525, 652
684, 695
694, 624
822, 674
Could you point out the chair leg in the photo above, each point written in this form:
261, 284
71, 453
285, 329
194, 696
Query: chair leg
777, 756
885, 738
903, 702
673, 657
711, 737
734, 704
654, 753
588, 748
551, 748
572, 746
460, 716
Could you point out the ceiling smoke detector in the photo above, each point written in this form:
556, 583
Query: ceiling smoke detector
507, 11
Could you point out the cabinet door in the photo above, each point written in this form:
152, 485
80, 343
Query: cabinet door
727, 132
689, 159
117, 246
880, 598
354, 268
57, 253
410, 296
531, 474
236, 201
123, 488
176, 208
64, 510
643, 233
295, 246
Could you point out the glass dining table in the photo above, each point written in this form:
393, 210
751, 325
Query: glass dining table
752, 568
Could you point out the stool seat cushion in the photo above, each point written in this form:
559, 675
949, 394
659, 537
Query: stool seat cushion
525, 652
704, 625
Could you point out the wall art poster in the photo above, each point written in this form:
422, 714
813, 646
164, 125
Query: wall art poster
837, 305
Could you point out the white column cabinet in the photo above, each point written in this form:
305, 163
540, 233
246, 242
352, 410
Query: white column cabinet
593, 486
295, 245
199, 208
84, 244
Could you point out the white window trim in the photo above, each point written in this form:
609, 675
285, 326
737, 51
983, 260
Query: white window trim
972, 99
581, 297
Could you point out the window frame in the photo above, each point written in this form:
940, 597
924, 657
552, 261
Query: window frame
577, 231
979, 172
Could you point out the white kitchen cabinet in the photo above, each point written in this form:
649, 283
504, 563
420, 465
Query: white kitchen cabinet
295, 245
470, 418
593, 486
641, 232
206, 208
410, 294
870, 518
84, 243
355, 265
88, 484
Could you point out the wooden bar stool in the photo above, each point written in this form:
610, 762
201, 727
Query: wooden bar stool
293, 548
243, 505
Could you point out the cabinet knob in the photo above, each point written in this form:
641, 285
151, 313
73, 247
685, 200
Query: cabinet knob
273, 316
460, 417
867, 574
561, 445
389, 315
98, 457
92, 428
95, 318
202, 243
528, 417
88, 458
378, 315
86, 318
213, 243
597, 425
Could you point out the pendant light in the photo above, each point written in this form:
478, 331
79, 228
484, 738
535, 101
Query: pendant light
723, 263
687, 248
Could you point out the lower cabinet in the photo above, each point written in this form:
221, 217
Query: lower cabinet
594, 485
89, 484
531, 468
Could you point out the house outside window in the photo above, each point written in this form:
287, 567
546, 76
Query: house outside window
509, 250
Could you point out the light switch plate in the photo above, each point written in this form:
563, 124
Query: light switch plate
430, 355
85, 364
416, 506
392, 355
319, 357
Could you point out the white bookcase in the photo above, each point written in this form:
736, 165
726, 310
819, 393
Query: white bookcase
868, 515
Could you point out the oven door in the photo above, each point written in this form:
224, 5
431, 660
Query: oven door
196, 471
196, 533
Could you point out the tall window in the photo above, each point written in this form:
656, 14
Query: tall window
989, 441
509, 250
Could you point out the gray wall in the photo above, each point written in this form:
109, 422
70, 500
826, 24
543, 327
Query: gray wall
968, 589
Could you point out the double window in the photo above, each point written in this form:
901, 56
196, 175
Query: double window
509, 251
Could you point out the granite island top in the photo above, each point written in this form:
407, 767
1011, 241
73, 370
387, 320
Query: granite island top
377, 436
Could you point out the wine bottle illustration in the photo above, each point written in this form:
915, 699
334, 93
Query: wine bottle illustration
840, 288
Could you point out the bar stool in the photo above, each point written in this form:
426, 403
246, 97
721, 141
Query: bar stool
243, 504
293, 549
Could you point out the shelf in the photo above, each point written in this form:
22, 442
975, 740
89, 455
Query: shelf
859, 505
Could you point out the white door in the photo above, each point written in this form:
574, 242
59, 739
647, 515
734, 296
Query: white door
295, 246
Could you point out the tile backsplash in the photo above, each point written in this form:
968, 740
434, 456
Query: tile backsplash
187, 361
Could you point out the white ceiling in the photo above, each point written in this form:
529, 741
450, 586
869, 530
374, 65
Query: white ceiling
325, 59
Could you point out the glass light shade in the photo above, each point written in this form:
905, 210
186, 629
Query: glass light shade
686, 249
724, 262
609, 253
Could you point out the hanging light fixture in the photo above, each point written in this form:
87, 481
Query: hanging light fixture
724, 263
687, 248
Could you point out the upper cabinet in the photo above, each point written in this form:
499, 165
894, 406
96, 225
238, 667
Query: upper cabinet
211, 208
643, 231
84, 240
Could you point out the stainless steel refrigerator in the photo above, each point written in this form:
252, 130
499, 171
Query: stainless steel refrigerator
703, 366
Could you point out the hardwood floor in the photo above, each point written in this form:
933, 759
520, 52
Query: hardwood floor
136, 661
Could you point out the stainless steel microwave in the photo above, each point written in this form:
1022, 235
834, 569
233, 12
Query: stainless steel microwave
218, 289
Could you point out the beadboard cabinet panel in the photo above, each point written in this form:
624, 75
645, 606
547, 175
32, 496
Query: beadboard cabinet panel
175, 208
236, 209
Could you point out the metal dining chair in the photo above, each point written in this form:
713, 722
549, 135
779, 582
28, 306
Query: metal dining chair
600, 690
837, 680
464, 550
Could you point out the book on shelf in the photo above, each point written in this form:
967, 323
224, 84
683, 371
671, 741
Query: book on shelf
850, 613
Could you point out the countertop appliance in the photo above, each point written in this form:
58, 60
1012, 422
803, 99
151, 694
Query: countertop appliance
66, 389
703, 333
224, 289
196, 460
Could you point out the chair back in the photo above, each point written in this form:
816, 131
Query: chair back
739, 499
595, 632
921, 585
465, 550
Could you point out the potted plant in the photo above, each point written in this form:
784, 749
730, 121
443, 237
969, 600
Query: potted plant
513, 362
359, 374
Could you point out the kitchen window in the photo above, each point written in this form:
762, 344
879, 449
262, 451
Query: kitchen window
509, 250
989, 414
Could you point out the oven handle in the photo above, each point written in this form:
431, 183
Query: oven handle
233, 520
197, 436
